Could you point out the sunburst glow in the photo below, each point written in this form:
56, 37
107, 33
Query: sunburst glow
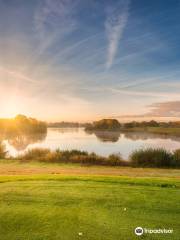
64, 60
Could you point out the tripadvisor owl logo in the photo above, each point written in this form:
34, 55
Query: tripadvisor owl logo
138, 231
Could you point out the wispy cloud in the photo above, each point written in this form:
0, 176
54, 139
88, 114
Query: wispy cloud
114, 25
16, 75
53, 20
165, 109
160, 78
169, 109
144, 93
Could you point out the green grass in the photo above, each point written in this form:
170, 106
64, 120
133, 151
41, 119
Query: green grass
53, 207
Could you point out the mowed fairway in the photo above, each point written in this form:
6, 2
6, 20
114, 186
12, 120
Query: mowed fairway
53, 207
56, 201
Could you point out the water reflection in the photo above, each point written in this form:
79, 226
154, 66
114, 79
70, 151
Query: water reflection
100, 142
145, 136
65, 130
21, 141
106, 136
112, 136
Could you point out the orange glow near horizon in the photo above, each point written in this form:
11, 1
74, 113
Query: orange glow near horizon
11, 108
93, 68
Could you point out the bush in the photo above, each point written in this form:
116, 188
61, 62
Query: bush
176, 158
90, 159
116, 160
151, 158
73, 156
3, 152
140, 158
104, 124
35, 154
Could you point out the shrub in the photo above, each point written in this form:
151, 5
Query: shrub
104, 124
140, 158
176, 158
151, 158
3, 152
68, 155
116, 160
73, 156
90, 159
35, 154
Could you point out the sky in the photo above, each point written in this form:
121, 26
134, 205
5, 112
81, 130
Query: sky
82, 60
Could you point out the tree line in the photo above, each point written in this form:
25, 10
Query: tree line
22, 124
114, 124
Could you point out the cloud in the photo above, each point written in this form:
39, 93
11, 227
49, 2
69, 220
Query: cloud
165, 109
170, 109
144, 93
114, 26
117, 90
53, 20
15, 75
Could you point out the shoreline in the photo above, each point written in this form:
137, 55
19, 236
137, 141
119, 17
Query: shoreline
154, 130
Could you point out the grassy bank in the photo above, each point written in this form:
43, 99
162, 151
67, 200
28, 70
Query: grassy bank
47, 207
159, 130
16, 167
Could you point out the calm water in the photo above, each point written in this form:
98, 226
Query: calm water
103, 143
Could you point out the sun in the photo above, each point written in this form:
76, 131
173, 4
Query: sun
11, 107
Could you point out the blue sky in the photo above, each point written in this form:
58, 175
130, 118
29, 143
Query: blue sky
84, 60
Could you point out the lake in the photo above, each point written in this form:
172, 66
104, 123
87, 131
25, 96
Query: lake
103, 143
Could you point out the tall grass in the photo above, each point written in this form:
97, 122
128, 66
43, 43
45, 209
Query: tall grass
159, 158
73, 156
176, 158
152, 158
35, 154
3, 152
